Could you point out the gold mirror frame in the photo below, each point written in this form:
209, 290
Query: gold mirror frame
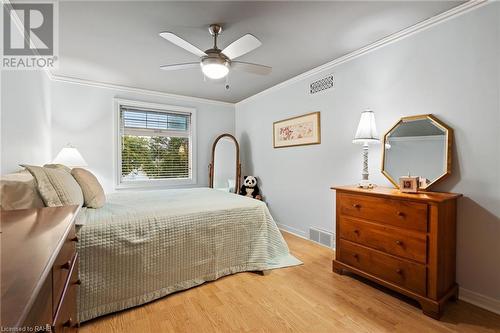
238, 164
449, 139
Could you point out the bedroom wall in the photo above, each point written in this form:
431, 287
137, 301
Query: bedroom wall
25, 122
450, 70
83, 116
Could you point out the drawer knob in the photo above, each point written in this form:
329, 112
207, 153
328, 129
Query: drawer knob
78, 282
356, 231
66, 265
398, 242
401, 214
355, 255
399, 271
74, 239
356, 206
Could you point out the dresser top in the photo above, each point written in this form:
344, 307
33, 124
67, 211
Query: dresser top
30, 241
381, 191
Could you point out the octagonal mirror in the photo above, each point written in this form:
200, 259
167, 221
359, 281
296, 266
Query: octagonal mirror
417, 146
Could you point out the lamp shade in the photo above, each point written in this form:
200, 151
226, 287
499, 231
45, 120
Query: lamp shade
70, 156
367, 130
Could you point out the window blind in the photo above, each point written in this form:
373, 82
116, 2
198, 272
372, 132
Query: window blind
155, 145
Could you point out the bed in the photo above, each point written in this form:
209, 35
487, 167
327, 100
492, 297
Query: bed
143, 245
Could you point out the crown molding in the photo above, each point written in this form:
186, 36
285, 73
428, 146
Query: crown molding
92, 83
421, 26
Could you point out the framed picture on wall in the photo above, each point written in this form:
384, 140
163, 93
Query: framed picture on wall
297, 131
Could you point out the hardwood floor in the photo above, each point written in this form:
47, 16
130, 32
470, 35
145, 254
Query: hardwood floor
306, 298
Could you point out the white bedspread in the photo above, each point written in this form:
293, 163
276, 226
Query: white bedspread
143, 245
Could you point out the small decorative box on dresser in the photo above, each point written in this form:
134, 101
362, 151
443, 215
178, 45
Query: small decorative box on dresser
39, 269
403, 241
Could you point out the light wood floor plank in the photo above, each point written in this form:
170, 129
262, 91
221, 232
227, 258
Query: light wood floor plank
307, 298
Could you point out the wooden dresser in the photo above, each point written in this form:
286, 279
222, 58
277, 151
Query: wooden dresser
403, 241
39, 269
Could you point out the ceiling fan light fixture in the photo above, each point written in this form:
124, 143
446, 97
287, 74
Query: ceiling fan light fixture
216, 63
214, 70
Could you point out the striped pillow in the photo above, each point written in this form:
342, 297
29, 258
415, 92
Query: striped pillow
56, 187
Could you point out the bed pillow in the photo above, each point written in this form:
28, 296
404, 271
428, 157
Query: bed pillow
56, 187
93, 194
58, 166
18, 191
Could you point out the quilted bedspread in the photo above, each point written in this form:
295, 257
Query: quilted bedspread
143, 245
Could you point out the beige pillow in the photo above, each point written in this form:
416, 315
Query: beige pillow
56, 187
93, 194
58, 166
18, 191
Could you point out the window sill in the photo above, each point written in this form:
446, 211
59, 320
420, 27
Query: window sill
155, 184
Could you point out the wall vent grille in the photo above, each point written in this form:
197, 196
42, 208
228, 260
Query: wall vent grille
321, 84
321, 237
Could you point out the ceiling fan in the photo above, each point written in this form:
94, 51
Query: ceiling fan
215, 63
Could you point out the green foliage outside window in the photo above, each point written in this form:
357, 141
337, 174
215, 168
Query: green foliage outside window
155, 157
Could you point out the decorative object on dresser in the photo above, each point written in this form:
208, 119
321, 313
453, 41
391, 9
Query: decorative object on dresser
297, 131
39, 246
366, 134
403, 241
408, 184
224, 171
420, 146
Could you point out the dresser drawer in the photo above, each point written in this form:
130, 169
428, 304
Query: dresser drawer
400, 213
403, 243
61, 268
411, 276
65, 316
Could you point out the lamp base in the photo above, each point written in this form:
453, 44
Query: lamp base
365, 183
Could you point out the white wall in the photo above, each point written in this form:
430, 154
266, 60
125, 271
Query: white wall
25, 122
83, 116
450, 70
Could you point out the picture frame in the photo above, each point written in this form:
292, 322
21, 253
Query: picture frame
408, 184
297, 131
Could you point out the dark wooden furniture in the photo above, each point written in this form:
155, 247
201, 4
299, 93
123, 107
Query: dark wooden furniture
403, 241
39, 269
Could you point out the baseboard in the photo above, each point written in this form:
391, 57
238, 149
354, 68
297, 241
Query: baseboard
292, 230
301, 234
480, 300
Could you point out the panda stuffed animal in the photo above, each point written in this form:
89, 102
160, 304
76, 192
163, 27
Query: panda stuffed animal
250, 188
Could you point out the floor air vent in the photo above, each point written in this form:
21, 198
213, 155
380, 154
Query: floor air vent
320, 236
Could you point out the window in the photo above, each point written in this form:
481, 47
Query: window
155, 144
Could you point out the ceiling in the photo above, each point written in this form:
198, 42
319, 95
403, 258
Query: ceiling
117, 42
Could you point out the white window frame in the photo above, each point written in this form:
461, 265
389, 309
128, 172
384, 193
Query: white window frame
153, 183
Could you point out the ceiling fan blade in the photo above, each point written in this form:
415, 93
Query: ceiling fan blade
241, 46
188, 65
251, 68
174, 39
